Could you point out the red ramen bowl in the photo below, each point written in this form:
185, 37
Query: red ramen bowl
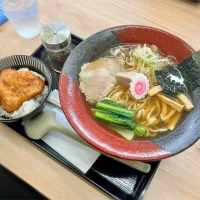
77, 110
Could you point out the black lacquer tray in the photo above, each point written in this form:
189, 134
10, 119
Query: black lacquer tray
114, 178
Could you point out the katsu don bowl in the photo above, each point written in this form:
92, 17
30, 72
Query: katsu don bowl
25, 84
133, 92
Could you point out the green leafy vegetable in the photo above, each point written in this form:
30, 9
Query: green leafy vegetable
140, 130
119, 117
112, 103
127, 134
114, 107
115, 119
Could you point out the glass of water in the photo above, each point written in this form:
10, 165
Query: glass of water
24, 16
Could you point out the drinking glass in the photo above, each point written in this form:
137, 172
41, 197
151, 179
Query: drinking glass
24, 16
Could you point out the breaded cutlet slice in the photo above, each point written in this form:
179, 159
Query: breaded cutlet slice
17, 87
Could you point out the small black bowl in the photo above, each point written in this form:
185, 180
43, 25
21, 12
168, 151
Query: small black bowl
33, 64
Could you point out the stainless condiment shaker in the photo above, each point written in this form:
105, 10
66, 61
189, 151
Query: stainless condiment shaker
56, 38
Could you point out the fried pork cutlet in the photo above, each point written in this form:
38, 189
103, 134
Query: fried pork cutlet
17, 87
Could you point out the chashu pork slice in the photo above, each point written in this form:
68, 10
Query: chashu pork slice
97, 79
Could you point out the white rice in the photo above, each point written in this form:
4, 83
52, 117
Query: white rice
27, 106
35, 73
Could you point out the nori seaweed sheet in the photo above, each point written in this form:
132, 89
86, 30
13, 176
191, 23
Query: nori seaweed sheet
188, 69
170, 85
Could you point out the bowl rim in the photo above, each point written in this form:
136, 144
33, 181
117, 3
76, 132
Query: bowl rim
81, 132
49, 86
